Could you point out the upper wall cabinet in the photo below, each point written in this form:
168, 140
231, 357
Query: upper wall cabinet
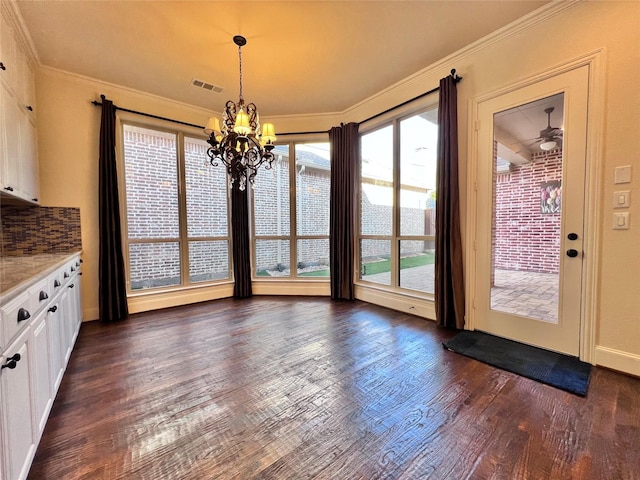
18, 140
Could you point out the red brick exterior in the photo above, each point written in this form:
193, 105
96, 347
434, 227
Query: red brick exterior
524, 238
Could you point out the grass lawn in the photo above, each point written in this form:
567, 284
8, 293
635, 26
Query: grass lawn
372, 268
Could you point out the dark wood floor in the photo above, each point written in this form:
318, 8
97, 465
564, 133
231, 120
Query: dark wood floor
295, 388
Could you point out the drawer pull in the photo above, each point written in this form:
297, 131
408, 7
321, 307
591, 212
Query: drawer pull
73, 269
2, 67
77, 264
66, 275
29, 107
53, 309
56, 283
9, 189
23, 314
43, 295
12, 362
71, 286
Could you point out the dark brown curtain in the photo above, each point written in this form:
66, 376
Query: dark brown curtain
240, 243
345, 147
112, 290
449, 279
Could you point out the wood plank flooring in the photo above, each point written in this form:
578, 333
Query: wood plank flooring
306, 388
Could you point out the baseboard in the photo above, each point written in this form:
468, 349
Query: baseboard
618, 360
291, 288
421, 307
155, 301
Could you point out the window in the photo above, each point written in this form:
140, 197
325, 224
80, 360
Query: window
291, 213
176, 222
397, 203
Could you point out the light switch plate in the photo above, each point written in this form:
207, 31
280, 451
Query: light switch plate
621, 199
621, 221
622, 174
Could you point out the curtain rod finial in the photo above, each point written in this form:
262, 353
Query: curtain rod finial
456, 77
102, 97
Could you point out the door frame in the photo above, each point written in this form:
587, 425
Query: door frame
593, 175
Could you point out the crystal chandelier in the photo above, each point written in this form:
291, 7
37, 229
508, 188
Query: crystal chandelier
239, 145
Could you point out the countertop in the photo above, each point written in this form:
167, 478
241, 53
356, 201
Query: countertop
19, 273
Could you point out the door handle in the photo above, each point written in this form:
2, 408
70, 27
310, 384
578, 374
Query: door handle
572, 253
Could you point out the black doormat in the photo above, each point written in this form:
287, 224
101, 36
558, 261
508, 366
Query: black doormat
555, 369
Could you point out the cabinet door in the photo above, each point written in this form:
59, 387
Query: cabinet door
29, 181
41, 374
76, 293
17, 401
10, 163
56, 369
8, 54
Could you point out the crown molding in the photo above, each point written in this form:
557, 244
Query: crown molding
120, 88
12, 14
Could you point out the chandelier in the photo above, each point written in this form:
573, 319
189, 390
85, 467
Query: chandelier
240, 145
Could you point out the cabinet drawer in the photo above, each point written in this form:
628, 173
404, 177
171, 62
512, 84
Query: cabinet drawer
39, 295
16, 315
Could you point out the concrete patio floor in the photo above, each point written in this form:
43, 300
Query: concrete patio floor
533, 295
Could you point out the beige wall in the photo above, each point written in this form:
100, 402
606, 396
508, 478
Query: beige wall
68, 139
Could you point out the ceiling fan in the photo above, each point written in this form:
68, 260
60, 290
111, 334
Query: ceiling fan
550, 137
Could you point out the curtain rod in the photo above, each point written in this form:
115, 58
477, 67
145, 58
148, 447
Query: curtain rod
158, 117
456, 78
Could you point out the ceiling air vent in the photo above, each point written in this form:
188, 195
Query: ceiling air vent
206, 85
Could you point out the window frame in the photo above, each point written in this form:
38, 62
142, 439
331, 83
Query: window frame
393, 119
183, 240
293, 236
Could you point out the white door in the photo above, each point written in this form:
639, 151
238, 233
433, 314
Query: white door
530, 208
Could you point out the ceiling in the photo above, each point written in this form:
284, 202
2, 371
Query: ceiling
518, 129
301, 57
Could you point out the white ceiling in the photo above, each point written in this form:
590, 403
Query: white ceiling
302, 57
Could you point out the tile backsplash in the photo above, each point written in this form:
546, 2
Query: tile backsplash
32, 230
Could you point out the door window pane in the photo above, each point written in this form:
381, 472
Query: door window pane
206, 189
526, 218
418, 150
153, 265
151, 173
376, 192
272, 258
208, 261
375, 261
313, 258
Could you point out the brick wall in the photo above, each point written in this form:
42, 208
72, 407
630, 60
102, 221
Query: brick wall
152, 209
376, 219
152, 183
272, 218
524, 238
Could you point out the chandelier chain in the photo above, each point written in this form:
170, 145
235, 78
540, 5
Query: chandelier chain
240, 61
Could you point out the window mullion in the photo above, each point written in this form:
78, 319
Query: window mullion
183, 241
395, 222
293, 223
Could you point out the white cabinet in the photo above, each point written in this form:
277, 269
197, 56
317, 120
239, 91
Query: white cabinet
17, 397
39, 328
41, 377
18, 147
56, 359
